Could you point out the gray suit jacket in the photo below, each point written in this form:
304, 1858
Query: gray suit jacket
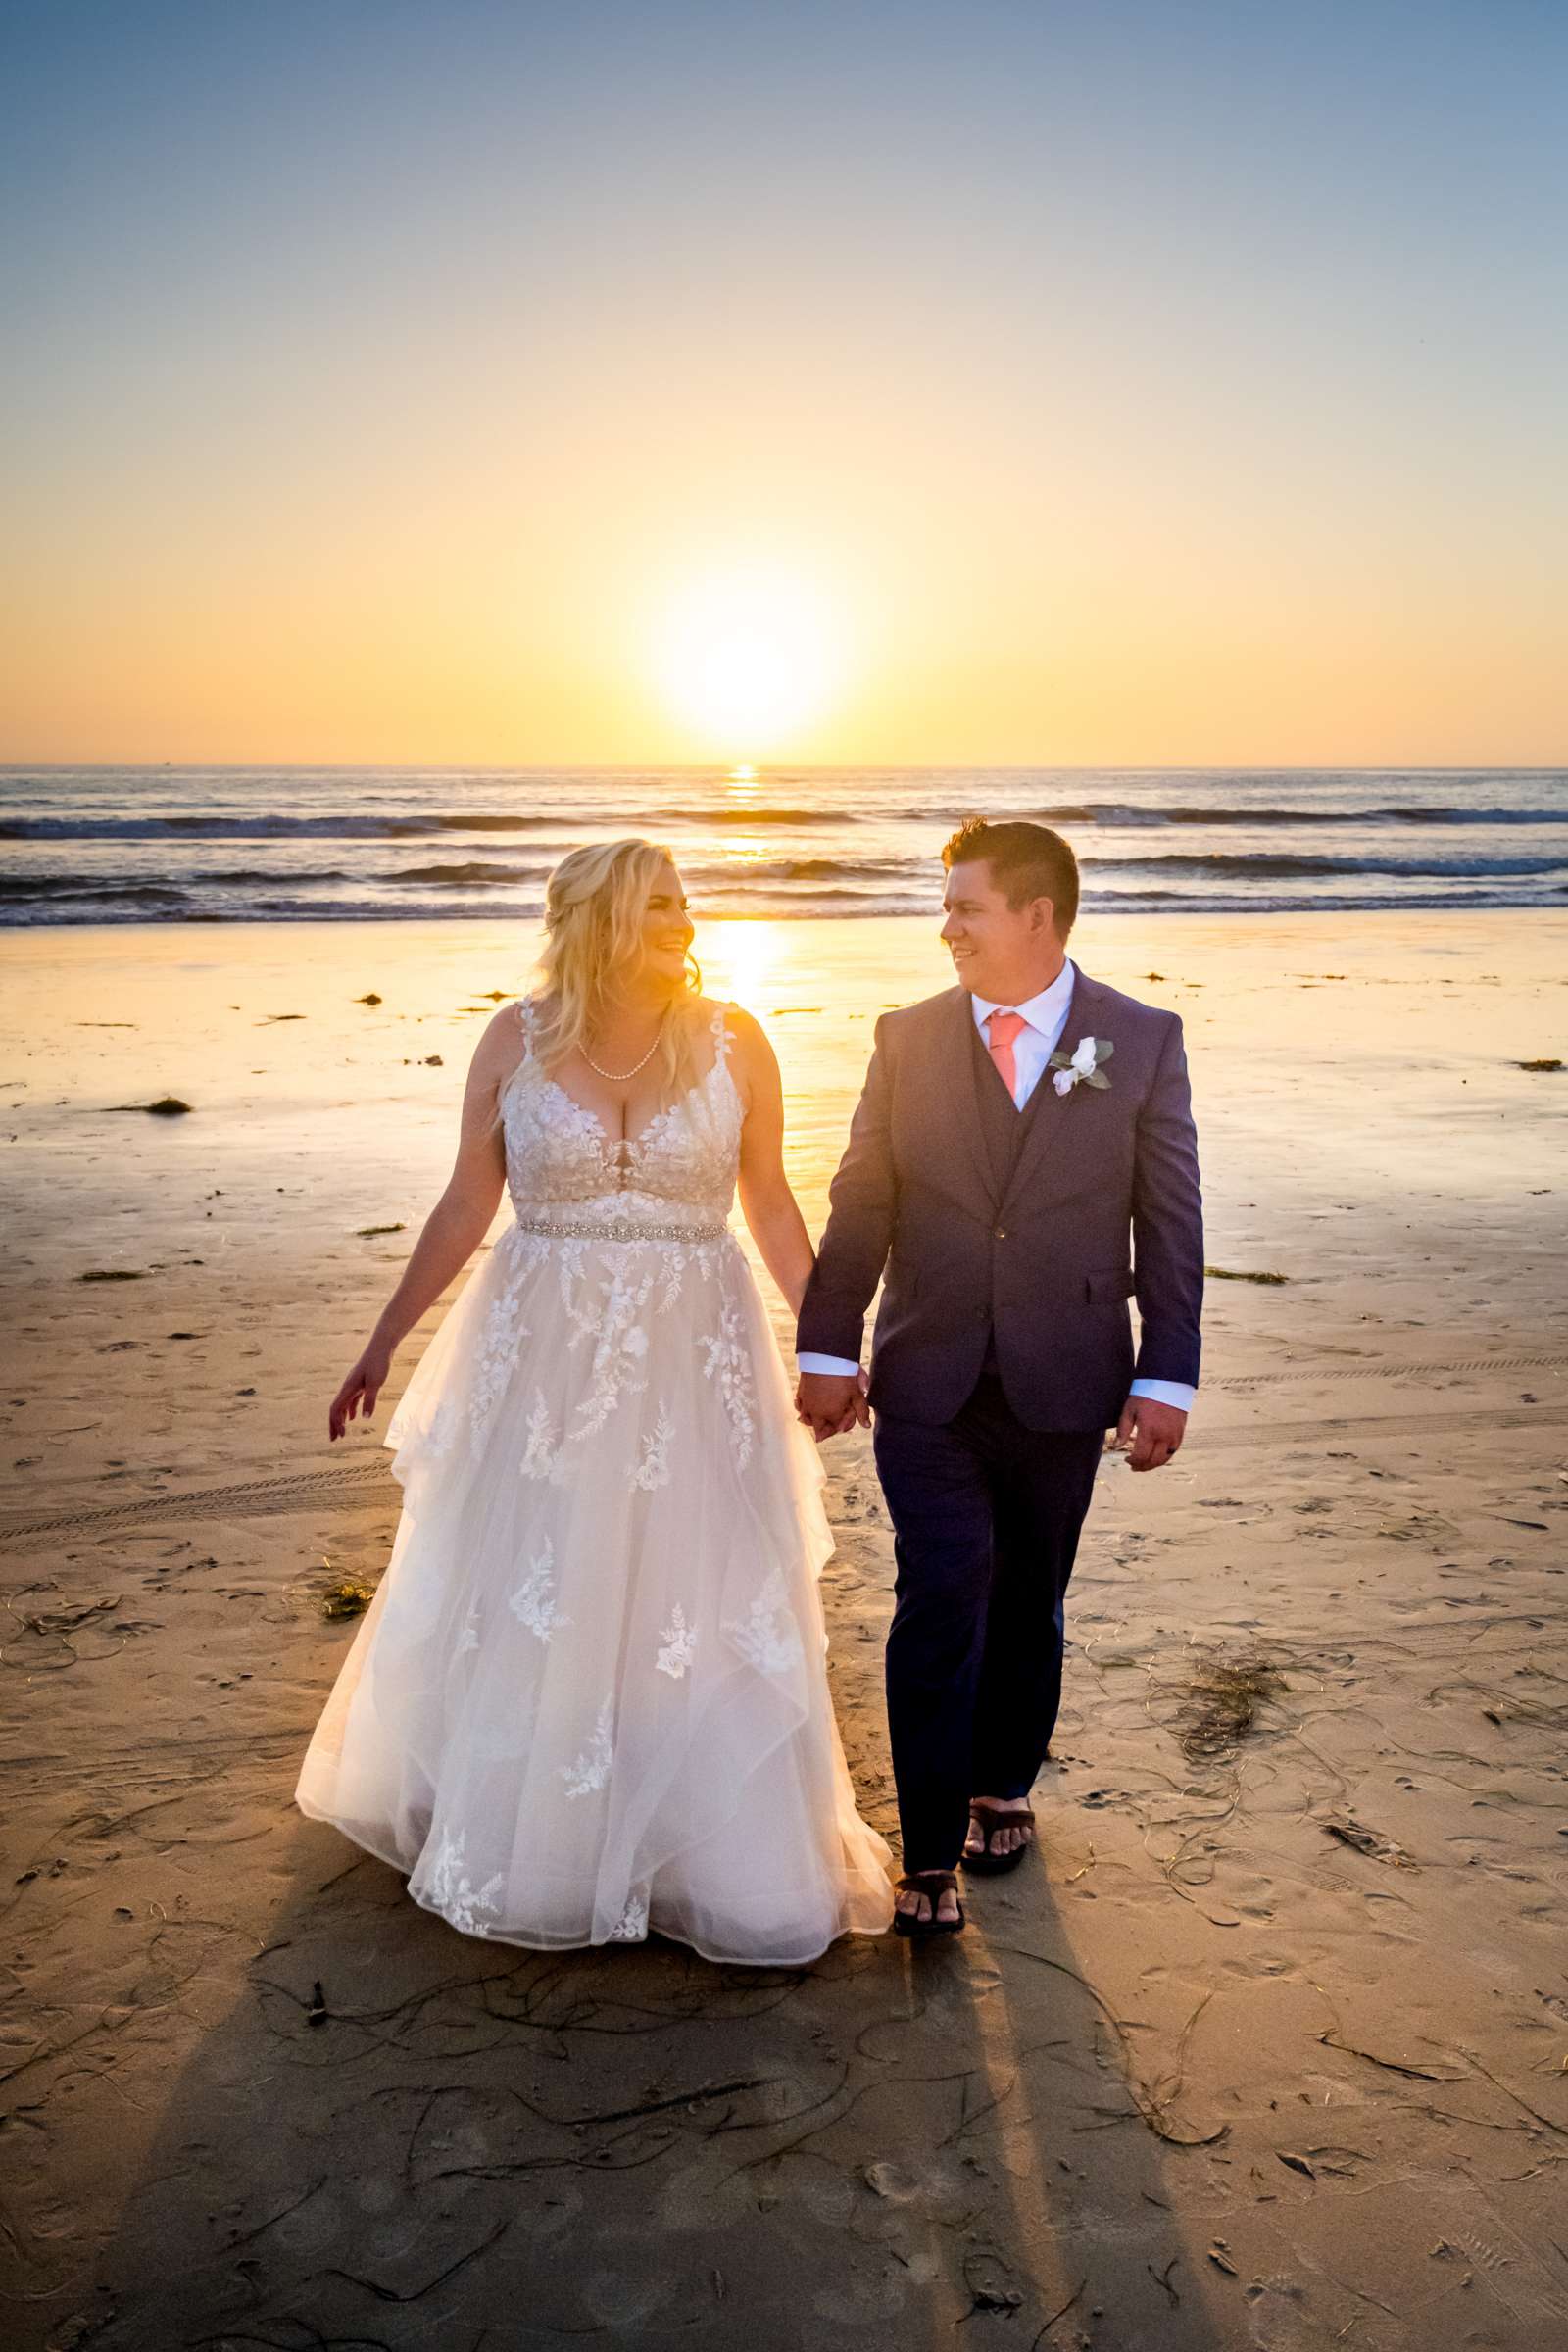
1102, 1205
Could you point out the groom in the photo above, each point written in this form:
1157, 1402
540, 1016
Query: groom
1022, 1160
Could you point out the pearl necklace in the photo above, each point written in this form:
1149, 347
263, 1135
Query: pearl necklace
619, 1077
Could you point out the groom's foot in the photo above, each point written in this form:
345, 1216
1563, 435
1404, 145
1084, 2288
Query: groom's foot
914, 1905
1000, 1841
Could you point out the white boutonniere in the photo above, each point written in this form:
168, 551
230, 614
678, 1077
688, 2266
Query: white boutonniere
1081, 1067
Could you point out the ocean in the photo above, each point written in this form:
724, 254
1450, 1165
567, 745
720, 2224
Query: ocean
138, 845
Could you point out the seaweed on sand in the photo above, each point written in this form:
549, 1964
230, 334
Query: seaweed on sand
1221, 1701
345, 1597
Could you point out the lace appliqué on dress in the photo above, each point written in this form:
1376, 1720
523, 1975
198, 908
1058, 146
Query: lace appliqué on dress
654, 1468
454, 1892
533, 1604
767, 1637
632, 1925
591, 1769
729, 1363
621, 1345
679, 1644
541, 1456
559, 1155
499, 1343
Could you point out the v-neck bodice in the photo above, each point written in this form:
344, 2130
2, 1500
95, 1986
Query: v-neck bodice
680, 1167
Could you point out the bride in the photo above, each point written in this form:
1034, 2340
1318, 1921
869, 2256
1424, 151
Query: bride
590, 1699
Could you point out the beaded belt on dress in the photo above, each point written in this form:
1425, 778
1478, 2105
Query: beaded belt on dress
619, 1229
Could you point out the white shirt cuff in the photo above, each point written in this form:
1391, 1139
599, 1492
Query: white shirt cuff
1166, 1391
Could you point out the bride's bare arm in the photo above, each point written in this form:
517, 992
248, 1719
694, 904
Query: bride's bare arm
454, 1229
767, 1203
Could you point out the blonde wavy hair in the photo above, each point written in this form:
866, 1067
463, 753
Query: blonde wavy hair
595, 903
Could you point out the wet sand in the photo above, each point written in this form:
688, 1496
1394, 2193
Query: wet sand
1267, 2047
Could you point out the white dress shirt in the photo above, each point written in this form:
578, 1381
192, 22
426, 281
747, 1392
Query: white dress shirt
1045, 1017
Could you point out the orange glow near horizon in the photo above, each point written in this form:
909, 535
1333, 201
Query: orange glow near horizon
1090, 638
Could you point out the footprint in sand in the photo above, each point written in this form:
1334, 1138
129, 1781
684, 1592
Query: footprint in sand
1279, 2317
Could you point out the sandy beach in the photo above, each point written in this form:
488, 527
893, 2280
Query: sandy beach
1268, 2047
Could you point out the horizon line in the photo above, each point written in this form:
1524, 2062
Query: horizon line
759, 769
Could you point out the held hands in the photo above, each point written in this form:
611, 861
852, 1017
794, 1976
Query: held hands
831, 1403
364, 1383
1148, 1432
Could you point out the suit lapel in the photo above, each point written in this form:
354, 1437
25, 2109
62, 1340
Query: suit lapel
1053, 1112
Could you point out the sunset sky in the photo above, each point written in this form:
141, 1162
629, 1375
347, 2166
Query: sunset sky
996, 382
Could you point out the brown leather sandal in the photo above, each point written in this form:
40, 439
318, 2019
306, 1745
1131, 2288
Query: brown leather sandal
933, 1883
994, 1817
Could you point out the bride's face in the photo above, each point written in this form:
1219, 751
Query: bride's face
667, 932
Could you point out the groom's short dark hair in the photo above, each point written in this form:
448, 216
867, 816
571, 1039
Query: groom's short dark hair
1027, 861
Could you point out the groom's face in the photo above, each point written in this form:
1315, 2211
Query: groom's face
998, 950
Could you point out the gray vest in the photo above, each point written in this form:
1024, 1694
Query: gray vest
1003, 1127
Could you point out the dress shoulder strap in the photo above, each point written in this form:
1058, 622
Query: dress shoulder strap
525, 1019
718, 1028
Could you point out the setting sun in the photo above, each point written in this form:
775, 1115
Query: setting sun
748, 655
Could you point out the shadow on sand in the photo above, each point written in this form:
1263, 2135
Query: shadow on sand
466, 2145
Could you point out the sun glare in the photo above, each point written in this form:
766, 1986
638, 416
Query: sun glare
747, 658
742, 959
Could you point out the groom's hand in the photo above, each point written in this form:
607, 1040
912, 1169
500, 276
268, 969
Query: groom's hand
830, 1402
1151, 1431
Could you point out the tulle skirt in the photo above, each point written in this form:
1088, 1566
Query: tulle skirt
589, 1698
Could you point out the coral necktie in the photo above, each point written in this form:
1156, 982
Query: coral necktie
1003, 1028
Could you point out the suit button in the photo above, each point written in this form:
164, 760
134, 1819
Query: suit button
1001, 1232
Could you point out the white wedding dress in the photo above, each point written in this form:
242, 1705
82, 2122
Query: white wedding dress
589, 1698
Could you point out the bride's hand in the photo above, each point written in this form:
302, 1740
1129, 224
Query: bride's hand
831, 1403
360, 1388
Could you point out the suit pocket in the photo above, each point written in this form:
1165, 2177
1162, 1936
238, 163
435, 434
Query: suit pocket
1108, 1288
